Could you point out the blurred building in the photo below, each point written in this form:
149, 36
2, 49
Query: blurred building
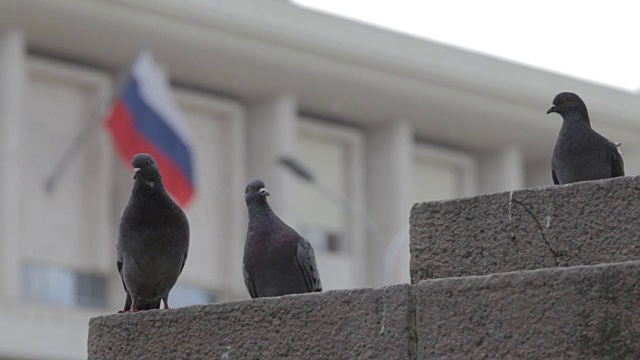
383, 120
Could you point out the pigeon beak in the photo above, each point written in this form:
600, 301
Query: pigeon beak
263, 192
135, 172
551, 109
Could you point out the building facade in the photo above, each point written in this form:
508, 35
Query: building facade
381, 119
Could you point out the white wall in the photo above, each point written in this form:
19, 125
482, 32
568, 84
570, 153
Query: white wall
13, 74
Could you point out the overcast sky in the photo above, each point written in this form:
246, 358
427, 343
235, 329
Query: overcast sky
594, 40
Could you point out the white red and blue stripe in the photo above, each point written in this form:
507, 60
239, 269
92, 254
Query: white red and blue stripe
146, 119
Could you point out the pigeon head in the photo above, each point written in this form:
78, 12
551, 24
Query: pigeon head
145, 168
566, 103
255, 192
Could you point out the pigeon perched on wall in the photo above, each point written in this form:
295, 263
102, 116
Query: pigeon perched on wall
153, 239
277, 260
581, 153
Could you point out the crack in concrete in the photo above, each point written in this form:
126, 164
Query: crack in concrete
544, 237
510, 201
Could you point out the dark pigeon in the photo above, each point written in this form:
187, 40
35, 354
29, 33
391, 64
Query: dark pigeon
153, 239
277, 260
581, 153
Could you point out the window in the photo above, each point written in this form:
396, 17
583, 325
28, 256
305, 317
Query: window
437, 174
76, 217
321, 216
91, 290
440, 173
215, 254
52, 284
322, 240
329, 212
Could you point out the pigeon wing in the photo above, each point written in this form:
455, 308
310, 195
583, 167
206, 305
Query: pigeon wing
127, 303
306, 259
248, 282
184, 261
617, 164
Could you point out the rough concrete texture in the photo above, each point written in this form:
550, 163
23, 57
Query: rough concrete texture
578, 224
590, 312
353, 324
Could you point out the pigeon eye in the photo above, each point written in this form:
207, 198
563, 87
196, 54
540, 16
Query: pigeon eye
148, 162
564, 100
250, 189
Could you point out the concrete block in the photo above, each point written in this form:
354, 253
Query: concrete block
585, 312
350, 324
578, 224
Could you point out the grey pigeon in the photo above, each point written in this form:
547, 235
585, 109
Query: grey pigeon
581, 153
153, 239
277, 260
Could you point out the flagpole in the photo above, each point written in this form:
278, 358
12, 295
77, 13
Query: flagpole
87, 130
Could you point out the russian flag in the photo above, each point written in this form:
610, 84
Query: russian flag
146, 118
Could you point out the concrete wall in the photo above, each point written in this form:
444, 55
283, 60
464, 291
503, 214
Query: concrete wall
365, 324
577, 224
570, 313
583, 312
502, 291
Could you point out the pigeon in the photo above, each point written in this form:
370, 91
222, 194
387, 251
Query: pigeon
277, 260
153, 239
581, 153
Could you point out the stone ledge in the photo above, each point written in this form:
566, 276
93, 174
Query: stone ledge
578, 224
584, 312
349, 324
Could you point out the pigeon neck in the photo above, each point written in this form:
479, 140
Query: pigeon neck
573, 119
259, 210
148, 186
260, 206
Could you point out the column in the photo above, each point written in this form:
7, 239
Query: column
271, 133
501, 170
12, 93
389, 154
